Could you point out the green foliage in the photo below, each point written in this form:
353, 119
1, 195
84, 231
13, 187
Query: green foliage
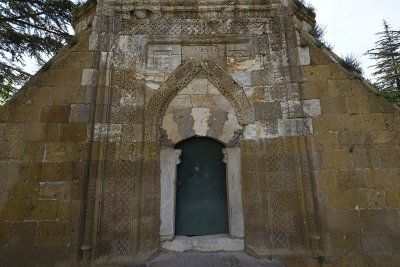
82, 5
318, 32
387, 54
34, 28
72, 41
352, 63
391, 95
6, 91
302, 4
321, 260
351, 149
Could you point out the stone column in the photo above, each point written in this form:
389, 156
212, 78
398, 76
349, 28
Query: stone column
169, 158
234, 185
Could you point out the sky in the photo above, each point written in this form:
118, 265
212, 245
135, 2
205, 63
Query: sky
351, 25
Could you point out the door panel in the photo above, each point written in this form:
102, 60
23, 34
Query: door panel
201, 198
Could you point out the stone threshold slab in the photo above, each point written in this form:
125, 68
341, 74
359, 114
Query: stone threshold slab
204, 243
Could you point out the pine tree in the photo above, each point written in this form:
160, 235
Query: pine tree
387, 55
33, 28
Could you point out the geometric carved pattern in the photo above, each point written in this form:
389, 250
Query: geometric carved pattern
130, 186
275, 189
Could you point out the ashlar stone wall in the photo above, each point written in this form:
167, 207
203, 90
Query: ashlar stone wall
356, 160
80, 143
44, 151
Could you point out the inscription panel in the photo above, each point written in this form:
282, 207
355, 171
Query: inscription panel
191, 52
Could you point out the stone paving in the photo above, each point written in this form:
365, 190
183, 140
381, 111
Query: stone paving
203, 259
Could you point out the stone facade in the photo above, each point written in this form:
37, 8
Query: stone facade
81, 142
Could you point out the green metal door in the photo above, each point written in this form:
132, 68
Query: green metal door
201, 202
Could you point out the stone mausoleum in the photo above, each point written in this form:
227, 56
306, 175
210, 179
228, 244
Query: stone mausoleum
199, 125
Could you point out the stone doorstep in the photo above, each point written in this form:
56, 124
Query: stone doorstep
206, 259
220, 242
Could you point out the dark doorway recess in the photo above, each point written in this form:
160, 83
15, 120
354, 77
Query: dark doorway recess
201, 198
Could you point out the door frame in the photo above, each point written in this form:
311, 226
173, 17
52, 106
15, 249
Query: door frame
234, 241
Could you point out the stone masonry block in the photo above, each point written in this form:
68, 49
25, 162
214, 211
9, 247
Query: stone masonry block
333, 105
74, 60
43, 172
326, 123
343, 244
40, 132
336, 160
79, 113
314, 90
365, 159
4, 233
392, 121
71, 170
22, 234
385, 139
395, 242
393, 198
325, 142
12, 210
350, 179
371, 198
68, 95
24, 113
389, 158
55, 113
24, 191
318, 57
65, 211
346, 87
351, 139
380, 104
5, 151
341, 200
89, 77
28, 151
326, 180
353, 122
11, 132
377, 179
60, 191
73, 132
50, 233
4, 112
317, 73
41, 210
57, 77
358, 104
376, 243
394, 176
343, 221
338, 72
373, 122
380, 220
37, 95
64, 151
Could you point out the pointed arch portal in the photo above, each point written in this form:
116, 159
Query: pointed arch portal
180, 78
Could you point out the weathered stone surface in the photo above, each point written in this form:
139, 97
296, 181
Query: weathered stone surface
80, 143
376, 243
22, 234
50, 233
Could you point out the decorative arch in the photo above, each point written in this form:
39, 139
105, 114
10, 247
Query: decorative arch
183, 75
